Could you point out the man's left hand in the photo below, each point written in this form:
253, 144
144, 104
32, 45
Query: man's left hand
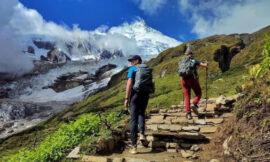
126, 103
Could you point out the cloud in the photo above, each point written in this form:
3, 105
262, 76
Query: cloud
12, 59
225, 17
150, 6
18, 22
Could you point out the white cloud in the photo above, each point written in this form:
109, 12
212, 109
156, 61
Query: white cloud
150, 6
17, 21
12, 59
226, 17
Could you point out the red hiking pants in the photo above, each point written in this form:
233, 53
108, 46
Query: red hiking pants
188, 84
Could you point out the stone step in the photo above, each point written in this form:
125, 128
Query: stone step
174, 121
207, 130
94, 159
179, 135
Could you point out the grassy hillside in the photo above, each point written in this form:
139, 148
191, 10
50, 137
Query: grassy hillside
168, 90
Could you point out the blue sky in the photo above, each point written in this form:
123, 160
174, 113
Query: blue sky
180, 19
90, 14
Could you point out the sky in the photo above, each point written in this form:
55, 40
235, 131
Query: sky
182, 20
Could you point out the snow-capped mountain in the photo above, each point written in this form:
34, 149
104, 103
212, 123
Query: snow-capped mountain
148, 40
126, 39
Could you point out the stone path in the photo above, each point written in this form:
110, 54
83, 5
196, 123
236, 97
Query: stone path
171, 137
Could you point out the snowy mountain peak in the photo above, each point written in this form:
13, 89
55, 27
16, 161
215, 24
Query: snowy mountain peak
127, 38
148, 40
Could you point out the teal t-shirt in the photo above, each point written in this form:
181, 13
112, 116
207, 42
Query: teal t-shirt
131, 72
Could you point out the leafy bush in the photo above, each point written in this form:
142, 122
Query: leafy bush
265, 64
61, 142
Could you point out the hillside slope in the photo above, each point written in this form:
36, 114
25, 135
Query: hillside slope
229, 56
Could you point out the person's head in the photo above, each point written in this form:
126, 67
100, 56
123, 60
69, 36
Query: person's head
188, 52
135, 60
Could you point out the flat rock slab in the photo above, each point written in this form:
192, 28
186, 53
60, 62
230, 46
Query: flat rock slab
214, 120
163, 110
180, 120
164, 127
200, 122
173, 150
177, 106
118, 160
212, 107
156, 119
180, 135
178, 114
206, 130
153, 127
191, 128
94, 159
226, 115
136, 160
175, 128
157, 144
74, 154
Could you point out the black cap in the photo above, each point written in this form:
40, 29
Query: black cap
134, 57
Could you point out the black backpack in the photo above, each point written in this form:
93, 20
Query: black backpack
144, 79
187, 67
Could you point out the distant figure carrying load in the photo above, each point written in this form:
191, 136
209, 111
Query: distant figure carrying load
190, 80
139, 86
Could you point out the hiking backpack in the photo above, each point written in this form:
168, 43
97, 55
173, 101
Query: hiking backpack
144, 79
187, 67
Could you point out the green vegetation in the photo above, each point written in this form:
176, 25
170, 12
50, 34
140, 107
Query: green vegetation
252, 113
64, 139
109, 102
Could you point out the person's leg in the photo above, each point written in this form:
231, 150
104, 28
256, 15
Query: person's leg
186, 90
134, 119
197, 90
141, 113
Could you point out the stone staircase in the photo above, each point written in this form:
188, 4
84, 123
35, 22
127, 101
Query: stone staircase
169, 130
171, 137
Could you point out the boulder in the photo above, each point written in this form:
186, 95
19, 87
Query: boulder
104, 69
74, 154
31, 50
44, 44
186, 154
195, 148
57, 56
226, 146
221, 100
13, 110
108, 55
3, 93
224, 55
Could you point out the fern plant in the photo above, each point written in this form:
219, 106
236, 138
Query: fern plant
265, 64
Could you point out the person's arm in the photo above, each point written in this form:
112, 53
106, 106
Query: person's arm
128, 91
204, 64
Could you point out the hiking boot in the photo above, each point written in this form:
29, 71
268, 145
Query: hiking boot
142, 137
133, 150
194, 107
188, 115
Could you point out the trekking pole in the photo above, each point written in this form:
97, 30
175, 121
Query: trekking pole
206, 82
